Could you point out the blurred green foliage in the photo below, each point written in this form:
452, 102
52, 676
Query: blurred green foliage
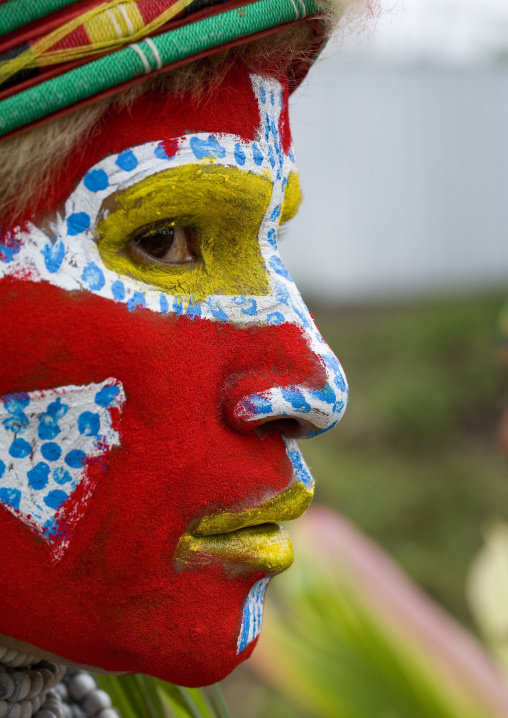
139, 696
415, 461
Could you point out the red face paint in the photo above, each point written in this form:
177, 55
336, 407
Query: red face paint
117, 600
118, 597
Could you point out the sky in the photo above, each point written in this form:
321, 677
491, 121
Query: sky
428, 32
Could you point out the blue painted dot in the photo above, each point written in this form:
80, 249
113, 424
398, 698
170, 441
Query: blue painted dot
275, 318
2, 468
178, 305
239, 155
6, 254
48, 422
76, 459
271, 156
53, 256
20, 448
257, 155
272, 237
297, 400
89, 424
77, 223
325, 394
93, 277
11, 497
38, 477
16, 402
61, 475
163, 152
127, 161
277, 264
51, 527
205, 149
96, 180
163, 303
262, 94
300, 469
55, 498
217, 311
137, 301
51, 451
118, 290
257, 404
250, 307
193, 311
107, 395
276, 213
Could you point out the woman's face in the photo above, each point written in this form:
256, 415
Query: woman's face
158, 365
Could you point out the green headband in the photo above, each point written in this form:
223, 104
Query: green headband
101, 76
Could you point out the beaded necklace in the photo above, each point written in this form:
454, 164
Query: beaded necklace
30, 688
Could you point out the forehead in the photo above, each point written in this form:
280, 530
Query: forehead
232, 108
263, 155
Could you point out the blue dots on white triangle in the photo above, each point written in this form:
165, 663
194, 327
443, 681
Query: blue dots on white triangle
40, 462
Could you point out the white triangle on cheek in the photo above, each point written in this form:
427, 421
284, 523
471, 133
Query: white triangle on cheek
47, 441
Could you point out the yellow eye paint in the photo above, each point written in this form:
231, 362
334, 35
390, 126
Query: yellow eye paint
292, 198
224, 208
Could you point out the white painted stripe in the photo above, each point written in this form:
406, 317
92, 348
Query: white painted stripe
127, 19
142, 57
304, 9
155, 52
297, 12
114, 22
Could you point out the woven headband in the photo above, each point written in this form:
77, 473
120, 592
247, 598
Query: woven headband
73, 53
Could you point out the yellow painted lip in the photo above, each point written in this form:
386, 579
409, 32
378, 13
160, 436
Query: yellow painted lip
247, 538
266, 547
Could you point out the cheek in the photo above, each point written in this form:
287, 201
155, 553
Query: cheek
116, 593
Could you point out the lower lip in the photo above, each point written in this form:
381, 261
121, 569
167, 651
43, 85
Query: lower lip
266, 547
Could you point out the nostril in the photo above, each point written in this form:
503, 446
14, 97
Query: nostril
287, 427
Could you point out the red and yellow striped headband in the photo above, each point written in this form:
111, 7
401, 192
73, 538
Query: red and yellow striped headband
72, 52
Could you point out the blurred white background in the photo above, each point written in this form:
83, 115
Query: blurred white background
402, 142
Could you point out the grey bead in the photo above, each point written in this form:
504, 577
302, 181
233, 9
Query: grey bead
49, 678
44, 714
36, 683
96, 702
4, 707
26, 709
7, 685
67, 710
3, 651
61, 690
12, 653
15, 711
60, 672
36, 703
18, 660
77, 712
81, 685
22, 681
108, 713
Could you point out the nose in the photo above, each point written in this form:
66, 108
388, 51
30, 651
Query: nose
298, 387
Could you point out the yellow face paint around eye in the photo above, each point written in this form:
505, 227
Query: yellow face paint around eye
224, 208
292, 198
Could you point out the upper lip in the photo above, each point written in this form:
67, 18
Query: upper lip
285, 506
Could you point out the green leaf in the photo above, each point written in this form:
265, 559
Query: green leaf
136, 696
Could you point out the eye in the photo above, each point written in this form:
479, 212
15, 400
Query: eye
161, 243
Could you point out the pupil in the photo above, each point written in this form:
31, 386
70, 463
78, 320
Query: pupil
156, 242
